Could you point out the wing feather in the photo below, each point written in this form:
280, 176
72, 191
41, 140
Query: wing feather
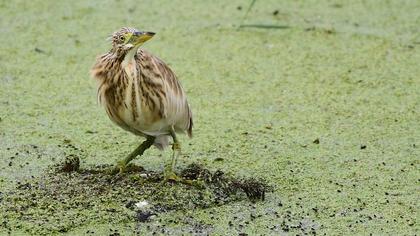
167, 87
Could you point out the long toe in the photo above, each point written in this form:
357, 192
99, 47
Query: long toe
176, 147
119, 168
172, 177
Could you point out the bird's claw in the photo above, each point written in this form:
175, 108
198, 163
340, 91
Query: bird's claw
176, 147
119, 168
172, 177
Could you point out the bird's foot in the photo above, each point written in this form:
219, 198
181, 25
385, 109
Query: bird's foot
119, 168
122, 167
176, 146
171, 177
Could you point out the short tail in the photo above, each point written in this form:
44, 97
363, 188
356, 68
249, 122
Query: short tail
161, 141
190, 126
190, 123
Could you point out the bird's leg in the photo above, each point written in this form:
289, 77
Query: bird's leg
121, 165
170, 175
176, 151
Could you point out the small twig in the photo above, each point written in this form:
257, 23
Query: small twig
247, 12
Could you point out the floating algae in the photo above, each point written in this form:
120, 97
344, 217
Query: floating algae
68, 196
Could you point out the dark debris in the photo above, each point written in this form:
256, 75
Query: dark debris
71, 163
223, 185
93, 194
144, 216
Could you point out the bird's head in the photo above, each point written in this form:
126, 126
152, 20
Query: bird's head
128, 38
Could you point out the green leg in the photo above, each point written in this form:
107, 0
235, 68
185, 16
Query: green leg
170, 174
176, 150
170, 169
121, 165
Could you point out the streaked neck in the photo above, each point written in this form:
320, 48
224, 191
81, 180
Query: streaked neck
129, 56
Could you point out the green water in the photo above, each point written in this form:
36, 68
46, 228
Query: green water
345, 74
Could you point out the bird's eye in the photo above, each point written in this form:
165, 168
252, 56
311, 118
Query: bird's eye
122, 38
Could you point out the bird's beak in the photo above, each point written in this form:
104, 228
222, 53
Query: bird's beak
140, 37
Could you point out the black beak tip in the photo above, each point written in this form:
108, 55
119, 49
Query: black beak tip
138, 33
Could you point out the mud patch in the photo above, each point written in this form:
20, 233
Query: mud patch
224, 186
67, 196
72, 163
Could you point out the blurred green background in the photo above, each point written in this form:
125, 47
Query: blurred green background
320, 98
